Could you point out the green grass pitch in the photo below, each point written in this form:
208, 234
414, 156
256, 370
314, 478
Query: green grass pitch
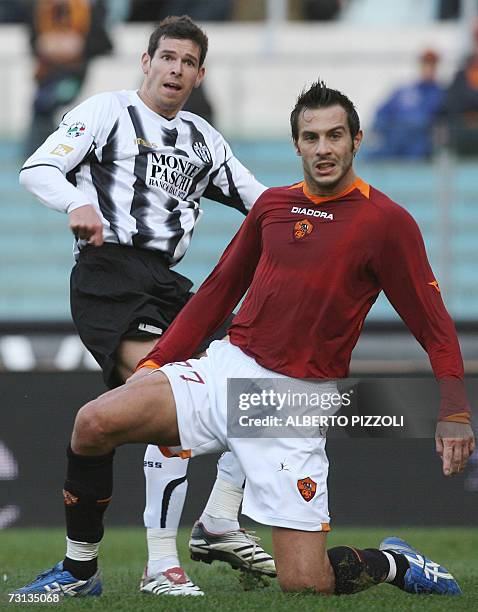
26, 552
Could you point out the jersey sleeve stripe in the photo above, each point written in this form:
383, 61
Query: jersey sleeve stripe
38, 166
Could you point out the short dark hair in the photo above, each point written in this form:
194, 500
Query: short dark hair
182, 27
321, 96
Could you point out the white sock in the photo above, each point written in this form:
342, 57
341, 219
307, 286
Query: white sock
229, 469
393, 567
166, 488
81, 551
222, 508
162, 551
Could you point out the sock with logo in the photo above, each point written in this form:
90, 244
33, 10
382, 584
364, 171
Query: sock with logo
87, 493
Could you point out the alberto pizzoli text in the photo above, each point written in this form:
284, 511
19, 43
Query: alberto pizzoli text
316, 420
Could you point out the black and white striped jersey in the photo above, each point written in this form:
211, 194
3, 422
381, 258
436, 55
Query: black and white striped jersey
144, 174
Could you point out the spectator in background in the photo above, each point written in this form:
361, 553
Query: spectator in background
461, 105
404, 124
449, 9
321, 10
198, 10
12, 12
117, 11
65, 35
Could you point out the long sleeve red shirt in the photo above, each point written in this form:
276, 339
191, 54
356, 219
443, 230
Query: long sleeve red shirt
312, 268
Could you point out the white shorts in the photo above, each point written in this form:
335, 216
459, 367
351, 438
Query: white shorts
286, 478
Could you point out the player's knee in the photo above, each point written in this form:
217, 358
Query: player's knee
91, 430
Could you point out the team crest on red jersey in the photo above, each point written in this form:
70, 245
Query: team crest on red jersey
302, 229
307, 488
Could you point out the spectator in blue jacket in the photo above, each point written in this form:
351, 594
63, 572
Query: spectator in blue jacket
404, 124
461, 104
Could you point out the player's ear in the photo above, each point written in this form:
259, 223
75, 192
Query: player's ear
357, 142
297, 149
200, 76
145, 62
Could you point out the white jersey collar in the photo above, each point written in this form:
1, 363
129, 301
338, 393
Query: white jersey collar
167, 122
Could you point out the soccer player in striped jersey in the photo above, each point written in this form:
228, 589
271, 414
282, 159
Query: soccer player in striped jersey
130, 168
310, 279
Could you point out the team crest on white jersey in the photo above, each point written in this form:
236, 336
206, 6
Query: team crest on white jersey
202, 152
311, 212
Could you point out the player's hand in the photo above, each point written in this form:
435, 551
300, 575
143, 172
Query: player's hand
85, 224
139, 374
454, 442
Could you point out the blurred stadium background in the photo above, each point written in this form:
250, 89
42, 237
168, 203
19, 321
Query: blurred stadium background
257, 64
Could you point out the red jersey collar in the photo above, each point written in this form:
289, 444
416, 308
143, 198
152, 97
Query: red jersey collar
363, 187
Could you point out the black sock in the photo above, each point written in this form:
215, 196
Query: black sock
402, 567
80, 569
87, 493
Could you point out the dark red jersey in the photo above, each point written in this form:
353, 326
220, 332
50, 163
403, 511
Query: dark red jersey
312, 268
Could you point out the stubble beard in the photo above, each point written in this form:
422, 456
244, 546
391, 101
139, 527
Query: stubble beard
328, 185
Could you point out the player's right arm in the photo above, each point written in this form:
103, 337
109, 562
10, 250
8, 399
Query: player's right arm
44, 174
215, 299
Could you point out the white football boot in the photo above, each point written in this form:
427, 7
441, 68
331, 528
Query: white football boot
173, 581
241, 549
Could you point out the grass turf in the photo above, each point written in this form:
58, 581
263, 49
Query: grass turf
26, 552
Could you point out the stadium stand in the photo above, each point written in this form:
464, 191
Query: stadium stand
36, 247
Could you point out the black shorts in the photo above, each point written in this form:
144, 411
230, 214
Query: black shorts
119, 292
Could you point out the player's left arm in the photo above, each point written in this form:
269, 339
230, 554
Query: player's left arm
230, 182
409, 283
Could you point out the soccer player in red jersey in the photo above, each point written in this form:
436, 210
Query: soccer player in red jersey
313, 257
